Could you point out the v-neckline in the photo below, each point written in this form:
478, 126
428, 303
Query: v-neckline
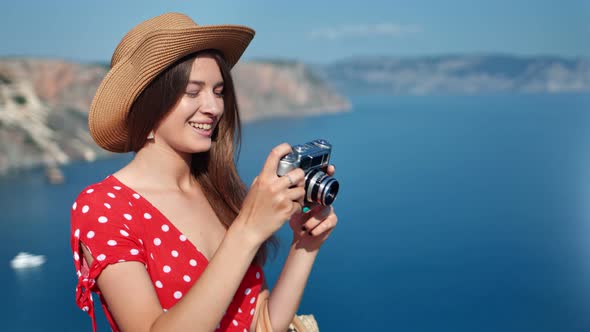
161, 214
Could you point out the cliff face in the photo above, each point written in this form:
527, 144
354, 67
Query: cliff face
460, 74
44, 105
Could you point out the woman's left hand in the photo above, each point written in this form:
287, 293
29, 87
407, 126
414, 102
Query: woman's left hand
311, 229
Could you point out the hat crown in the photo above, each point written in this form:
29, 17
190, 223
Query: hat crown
162, 22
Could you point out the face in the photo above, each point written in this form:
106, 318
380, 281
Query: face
189, 125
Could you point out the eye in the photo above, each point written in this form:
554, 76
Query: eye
219, 93
192, 94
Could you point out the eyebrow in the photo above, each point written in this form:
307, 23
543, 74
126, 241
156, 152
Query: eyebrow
201, 83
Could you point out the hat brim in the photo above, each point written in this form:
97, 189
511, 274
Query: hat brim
130, 76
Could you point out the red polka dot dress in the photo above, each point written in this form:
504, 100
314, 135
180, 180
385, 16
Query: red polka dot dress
117, 225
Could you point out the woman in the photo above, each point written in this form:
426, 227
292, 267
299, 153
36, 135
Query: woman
173, 241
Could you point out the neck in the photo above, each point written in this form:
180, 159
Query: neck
168, 169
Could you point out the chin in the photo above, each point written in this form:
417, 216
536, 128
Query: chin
200, 147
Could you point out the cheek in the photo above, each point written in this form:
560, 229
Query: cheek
186, 104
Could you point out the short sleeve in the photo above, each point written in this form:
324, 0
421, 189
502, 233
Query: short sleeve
104, 224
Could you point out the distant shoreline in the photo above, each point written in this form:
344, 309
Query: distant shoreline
54, 173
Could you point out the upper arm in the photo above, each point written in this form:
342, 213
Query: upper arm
130, 296
109, 257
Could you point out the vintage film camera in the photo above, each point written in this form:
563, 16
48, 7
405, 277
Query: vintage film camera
313, 157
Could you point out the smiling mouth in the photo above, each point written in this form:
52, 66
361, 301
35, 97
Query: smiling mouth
204, 129
202, 126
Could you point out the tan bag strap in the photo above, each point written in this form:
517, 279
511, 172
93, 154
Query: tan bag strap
301, 323
263, 317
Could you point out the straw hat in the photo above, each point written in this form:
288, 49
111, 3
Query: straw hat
145, 52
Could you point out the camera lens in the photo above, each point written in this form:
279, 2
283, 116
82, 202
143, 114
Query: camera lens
320, 188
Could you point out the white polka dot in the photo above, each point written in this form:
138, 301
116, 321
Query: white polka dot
257, 275
117, 188
89, 191
136, 196
252, 312
174, 253
76, 256
182, 237
167, 269
253, 300
112, 243
121, 260
130, 204
186, 278
126, 226
157, 241
101, 257
152, 255
245, 330
74, 206
90, 235
177, 295
147, 216
159, 284
193, 262
85, 308
123, 232
85, 208
235, 322
77, 233
102, 219
140, 241
165, 310
165, 228
240, 310
134, 252
111, 195
107, 205
247, 292
79, 274
127, 216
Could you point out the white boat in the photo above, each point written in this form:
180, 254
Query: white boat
25, 260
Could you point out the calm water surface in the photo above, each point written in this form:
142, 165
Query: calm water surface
456, 214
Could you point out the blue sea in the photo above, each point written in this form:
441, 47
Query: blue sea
456, 213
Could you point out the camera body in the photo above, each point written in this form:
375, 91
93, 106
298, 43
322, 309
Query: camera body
313, 157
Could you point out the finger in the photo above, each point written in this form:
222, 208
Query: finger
294, 178
331, 170
296, 194
296, 207
315, 216
326, 225
272, 161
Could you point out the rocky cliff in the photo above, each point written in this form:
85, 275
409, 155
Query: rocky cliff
44, 105
458, 74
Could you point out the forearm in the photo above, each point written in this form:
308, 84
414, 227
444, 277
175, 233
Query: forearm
203, 306
285, 297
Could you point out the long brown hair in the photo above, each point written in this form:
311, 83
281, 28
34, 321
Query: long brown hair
215, 170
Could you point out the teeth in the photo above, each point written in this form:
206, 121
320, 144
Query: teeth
204, 126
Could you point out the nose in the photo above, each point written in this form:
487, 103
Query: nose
212, 104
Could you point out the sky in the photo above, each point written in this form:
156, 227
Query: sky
310, 31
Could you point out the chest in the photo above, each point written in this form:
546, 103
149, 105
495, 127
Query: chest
190, 216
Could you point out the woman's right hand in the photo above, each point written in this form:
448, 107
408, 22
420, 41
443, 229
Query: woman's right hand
272, 199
